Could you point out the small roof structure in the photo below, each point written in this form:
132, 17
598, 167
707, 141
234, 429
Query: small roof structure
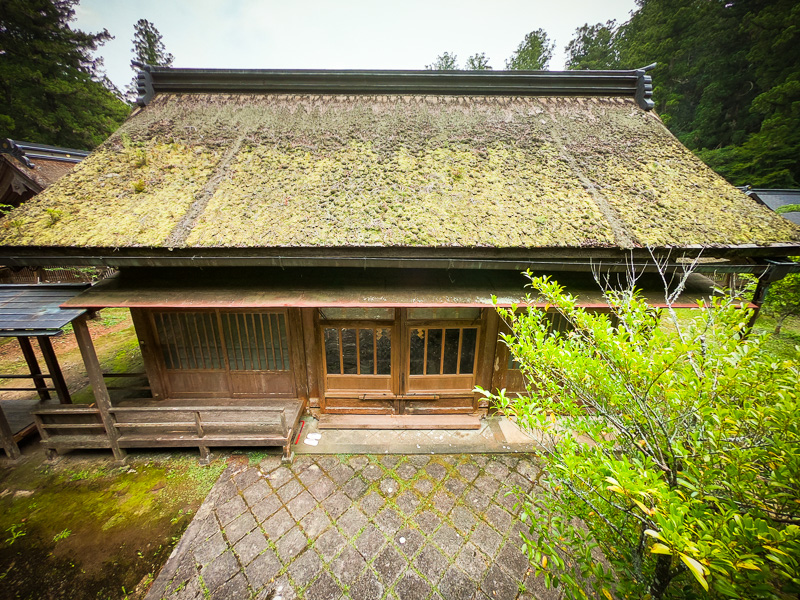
34, 310
775, 198
26, 168
319, 164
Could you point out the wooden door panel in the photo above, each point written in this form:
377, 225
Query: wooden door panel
261, 383
460, 404
440, 383
197, 384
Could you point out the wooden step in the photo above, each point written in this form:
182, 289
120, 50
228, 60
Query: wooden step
399, 422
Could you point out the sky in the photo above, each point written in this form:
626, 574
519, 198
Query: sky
341, 34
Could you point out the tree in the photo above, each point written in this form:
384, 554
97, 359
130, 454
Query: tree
533, 53
478, 62
783, 300
444, 62
671, 462
593, 47
148, 49
51, 86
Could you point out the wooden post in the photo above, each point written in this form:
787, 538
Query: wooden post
54, 369
9, 445
313, 355
298, 355
141, 323
98, 384
486, 355
33, 367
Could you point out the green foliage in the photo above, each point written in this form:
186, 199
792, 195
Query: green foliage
672, 454
478, 62
53, 90
444, 62
148, 49
594, 47
783, 299
788, 208
62, 535
533, 53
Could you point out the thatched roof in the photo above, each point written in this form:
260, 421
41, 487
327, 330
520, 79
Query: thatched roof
212, 170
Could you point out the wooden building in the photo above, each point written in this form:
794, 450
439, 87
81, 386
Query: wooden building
330, 241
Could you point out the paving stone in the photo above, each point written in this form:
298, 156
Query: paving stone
498, 518
336, 505
498, 585
262, 568
487, 539
509, 502
278, 524
389, 486
424, 486
455, 486
236, 587
305, 568
370, 541
419, 460
366, 587
348, 565
289, 490
443, 502
407, 502
209, 549
207, 527
246, 478
256, 492
278, 588
219, 570
372, 503
436, 471
535, 589
388, 521
413, 541
190, 591
230, 510
264, 509
250, 546
322, 488
472, 561
406, 471
455, 585
476, 500
462, 519
301, 505
390, 460
517, 480
327, 462
372, 472
528, 470
513, 559
479, 459
412, 587
330, 544
340, 474
269, 464
186, 571
431, 563
487, 484
355, 488
468, 470
427, 521
314, 523
448, 540
324, 588
239, 527
389, 564
291, 544
358, 462
225, 489
309, 475
496, 469
279, 476
351, 522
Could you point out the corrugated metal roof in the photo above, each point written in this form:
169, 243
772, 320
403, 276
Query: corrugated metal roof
34, 310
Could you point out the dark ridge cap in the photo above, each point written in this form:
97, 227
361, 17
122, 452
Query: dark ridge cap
24, 151
633, 83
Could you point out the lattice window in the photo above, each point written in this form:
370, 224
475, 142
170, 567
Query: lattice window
256, 341
189, 340
443, 351
358, 350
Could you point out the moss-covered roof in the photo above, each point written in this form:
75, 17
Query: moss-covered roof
271, 171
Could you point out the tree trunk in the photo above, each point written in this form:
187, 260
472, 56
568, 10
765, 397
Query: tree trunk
779, 324
661, 577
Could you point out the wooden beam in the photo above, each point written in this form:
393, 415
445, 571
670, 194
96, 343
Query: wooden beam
98, 384
54, 369
329, 421
7, 437
33, 367
298, 355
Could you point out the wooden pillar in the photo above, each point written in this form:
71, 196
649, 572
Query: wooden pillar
7, 437
298, 355
98, 384
54, 369
313, 355
150, 358
488, 349
33, 367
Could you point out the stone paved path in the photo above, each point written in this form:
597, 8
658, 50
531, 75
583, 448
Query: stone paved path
362, 527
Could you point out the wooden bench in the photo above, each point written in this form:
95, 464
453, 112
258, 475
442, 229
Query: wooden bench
202, 423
